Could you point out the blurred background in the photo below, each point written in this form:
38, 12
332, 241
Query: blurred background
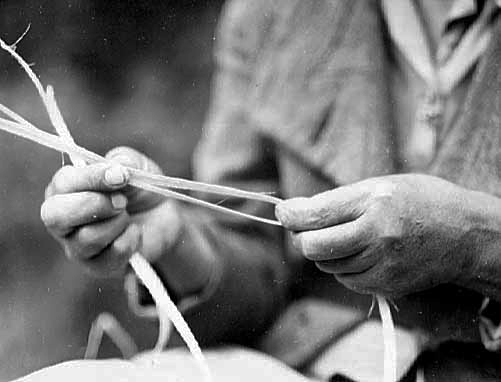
131, 73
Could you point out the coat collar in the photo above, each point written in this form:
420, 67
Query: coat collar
321, 90
471, 153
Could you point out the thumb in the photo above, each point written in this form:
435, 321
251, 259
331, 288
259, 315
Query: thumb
326, 209
130, 157
139, 200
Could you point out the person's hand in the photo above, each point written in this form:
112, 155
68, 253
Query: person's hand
100, 221
392, 235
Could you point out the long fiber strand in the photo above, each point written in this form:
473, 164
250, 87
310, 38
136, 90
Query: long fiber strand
107, 323
144, 271
185, 184
166, 309
57, 121
142, 268
389, 340
56, 143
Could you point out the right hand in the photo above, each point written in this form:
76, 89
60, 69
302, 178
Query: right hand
100, 221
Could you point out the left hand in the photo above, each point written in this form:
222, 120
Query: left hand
391, 235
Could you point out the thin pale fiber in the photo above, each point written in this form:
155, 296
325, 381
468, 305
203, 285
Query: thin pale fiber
389, 338
160, 184
167, 310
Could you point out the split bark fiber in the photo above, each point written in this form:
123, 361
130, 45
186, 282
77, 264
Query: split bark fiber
159, 184
167, 311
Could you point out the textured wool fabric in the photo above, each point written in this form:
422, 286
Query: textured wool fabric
433, 51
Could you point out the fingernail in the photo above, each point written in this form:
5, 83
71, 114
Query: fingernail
279, 211
287, 210
115, 175
118, 201
282, 209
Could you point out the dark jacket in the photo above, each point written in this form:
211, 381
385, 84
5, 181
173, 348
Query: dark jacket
300, 105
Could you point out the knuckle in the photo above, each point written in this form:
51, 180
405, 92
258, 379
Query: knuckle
97, 201
385, 188
122, 246
94, 198
391, 236
89, 241
121, 150
49, 191
70, 252
387, 224
310, 247
83, 246
114, 259
61, 180
383, 194
46, 214
126, 156
50, 214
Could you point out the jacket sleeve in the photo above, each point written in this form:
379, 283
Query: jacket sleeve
248, 280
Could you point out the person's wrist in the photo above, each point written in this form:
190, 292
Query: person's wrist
481, 239
182, 258
161, 228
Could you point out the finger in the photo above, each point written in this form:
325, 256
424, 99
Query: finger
349, 266
129, 157
63, 213
138, 199
334, 242
113, 259
329, 208
89, 240
362, 282
95, 177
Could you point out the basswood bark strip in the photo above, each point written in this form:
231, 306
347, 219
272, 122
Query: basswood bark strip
389, 339
141, 179
165, 305
167, 311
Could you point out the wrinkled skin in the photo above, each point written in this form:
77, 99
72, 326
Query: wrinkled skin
392, 235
